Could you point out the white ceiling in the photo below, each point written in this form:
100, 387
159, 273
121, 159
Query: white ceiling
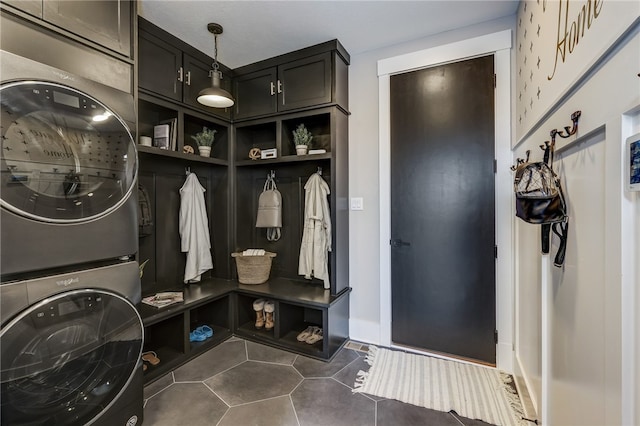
256, 30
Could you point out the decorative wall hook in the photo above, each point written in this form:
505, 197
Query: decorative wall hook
520, 161
568, 131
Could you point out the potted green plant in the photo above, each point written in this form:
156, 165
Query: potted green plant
205, 139
302, 139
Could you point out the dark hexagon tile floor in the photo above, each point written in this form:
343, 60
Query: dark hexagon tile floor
252, 381
240, 383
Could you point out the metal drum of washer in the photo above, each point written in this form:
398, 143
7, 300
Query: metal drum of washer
68, 167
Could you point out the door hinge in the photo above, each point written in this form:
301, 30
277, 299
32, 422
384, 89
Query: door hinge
495, 251
495, 336
495, 81
495, 165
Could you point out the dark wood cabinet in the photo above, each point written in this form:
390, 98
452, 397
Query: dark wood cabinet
166, 330
305, 82
105, 23
329, 126
159, 66
273, 97
294, 81
169, 68
255, 93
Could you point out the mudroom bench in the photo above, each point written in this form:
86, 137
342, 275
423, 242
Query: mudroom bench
226, 306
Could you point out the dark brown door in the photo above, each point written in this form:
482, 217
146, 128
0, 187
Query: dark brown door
443, 210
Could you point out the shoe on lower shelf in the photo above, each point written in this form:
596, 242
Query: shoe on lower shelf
197, 336
305, 334
151, 357
315, 337
206, 330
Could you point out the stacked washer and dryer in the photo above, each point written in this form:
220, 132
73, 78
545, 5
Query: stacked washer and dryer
71, 336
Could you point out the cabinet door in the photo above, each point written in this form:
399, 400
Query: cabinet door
255, 93
32, 7
159, 66
106, 22
305, 82
197, 78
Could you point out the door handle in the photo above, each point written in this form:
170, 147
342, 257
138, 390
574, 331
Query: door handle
188, 82
180, 74
398, 243
273, 89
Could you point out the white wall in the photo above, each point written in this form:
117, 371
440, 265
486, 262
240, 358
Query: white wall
590, 310
364, 225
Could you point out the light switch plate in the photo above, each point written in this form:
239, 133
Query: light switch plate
357, 203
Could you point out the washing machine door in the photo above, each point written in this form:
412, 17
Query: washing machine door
65, 157
68, 358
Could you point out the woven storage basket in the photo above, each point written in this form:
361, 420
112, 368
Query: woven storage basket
253, 269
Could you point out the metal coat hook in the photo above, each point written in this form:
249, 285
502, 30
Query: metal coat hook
568, 131
520, 161
187, 171
271, 174
319, 171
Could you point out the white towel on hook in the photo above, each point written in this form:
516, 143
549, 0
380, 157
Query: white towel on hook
194, 229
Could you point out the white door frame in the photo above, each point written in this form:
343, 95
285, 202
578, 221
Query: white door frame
498, 44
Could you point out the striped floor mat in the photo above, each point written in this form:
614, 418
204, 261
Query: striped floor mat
472, 391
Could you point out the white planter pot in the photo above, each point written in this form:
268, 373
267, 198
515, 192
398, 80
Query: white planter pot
301, 149
205, 151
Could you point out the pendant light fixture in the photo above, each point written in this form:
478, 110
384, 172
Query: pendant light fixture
215, 96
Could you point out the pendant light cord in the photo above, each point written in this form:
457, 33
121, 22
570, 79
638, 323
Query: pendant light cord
216, 67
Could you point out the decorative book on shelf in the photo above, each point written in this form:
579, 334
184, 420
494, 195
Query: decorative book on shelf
172, 134
161, 136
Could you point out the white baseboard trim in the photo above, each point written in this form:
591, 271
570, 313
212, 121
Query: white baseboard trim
364, 331
504, 356
523, 379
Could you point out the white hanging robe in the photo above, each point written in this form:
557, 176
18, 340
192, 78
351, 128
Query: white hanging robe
194, 229
316, 235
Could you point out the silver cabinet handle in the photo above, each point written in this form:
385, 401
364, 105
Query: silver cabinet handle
279, 87
273, 89
188, 78
180, 74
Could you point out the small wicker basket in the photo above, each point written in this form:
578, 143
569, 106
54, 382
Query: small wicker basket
253, 269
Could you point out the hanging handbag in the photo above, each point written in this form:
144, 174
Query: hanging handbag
540, 200
270, 209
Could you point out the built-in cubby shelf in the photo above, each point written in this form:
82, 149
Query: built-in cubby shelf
227, 307
316, 84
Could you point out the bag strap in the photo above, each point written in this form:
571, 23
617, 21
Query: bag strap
273, 234
561, 229
270, 183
